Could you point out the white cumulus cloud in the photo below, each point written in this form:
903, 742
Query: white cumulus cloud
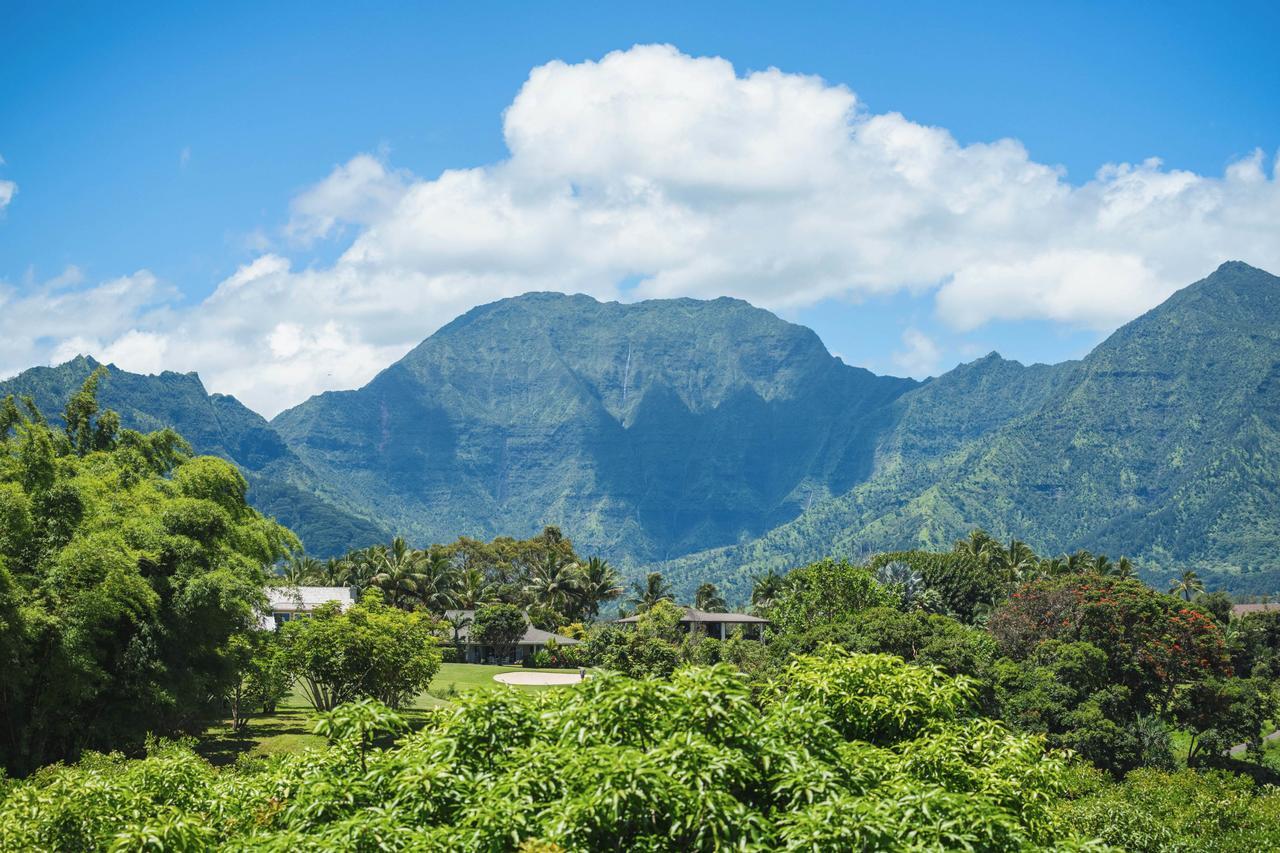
682, 177
920, 356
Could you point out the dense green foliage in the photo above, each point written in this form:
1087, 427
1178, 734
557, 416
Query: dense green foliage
369, 650
126, 569
281, 486
542, 576
848, 752
1070, 648
499, 625
1182, 812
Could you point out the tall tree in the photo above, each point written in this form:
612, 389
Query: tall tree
765, 590
600, 583
555, 583
708, 598
125, 573
474, 589
437, 581
300, 570
645, 594
1187, 586
399, 573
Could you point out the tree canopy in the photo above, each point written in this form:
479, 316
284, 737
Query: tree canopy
824, 761
126, 567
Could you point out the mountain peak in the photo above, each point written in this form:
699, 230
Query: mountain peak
1236, 266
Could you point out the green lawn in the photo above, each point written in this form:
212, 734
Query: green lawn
289, 729
456, 677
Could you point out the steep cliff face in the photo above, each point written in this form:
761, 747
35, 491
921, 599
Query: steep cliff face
648, 430
1162, 444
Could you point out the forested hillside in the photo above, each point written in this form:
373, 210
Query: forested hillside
1161, 443
711, 440
216, 425
649, 430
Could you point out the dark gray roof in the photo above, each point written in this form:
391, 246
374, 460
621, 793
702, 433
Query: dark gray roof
532, 636
692, 617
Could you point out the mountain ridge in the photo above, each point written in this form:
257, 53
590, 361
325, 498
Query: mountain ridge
1124, 494
712, 440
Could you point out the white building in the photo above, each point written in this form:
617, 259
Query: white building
295, 602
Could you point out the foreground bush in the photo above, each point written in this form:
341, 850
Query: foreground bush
1152, 810
848, 752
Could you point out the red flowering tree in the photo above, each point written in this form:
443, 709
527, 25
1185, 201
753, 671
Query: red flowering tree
1153, 642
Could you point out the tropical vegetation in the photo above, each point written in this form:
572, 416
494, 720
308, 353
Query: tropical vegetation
980, 697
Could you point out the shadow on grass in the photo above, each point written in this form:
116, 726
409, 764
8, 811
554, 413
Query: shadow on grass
290, 729
1260, 773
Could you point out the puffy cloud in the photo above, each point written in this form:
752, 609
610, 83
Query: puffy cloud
8, 189
355, 193
920, 356
55, 320
680, 177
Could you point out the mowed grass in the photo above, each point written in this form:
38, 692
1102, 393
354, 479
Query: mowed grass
456, 677
289, 729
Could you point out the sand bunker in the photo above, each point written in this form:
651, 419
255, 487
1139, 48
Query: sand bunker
537, 677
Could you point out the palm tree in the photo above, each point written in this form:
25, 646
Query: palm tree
299, 570
457, 623
1053, 566
1020, 561
473, 589
708, 598
398, 572
650, 592
437, 581
360, 567
1187, 585
979, 545
1079, 562
1102, 565
555, 582
1124, 568
599, 583
765, 590
334, 571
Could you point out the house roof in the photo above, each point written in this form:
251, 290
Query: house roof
301, 599
532, 636
307, 597
1246, 609
693, 616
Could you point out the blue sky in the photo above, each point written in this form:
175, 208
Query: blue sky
177, 142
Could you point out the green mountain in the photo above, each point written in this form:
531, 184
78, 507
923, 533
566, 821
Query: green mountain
1163, 443
646, 431
711, 440
217, 425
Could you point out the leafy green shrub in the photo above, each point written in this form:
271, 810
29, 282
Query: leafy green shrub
827, 591
848, 752
369, 650
1183, 811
